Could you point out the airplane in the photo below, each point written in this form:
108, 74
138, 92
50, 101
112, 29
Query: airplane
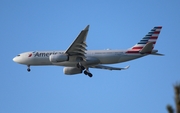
77, 59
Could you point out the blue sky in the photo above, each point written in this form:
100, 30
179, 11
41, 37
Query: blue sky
147, 86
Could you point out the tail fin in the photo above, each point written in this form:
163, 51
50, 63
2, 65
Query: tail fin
146, 43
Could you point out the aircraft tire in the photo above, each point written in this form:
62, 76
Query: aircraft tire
85, 72
90, 75
28, 70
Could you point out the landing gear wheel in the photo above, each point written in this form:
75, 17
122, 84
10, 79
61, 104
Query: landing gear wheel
28, 69
85, 72
90, 75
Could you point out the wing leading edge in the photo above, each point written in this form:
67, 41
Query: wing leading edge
78, 47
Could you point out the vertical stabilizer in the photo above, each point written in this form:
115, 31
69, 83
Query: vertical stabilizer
149, 39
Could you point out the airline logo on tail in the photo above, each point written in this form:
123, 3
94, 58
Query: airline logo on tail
147, 43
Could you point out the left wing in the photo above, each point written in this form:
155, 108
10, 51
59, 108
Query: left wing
109, 68
78, 47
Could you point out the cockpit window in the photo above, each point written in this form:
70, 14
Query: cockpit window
18, 55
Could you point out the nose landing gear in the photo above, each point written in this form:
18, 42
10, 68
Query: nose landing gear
28, 69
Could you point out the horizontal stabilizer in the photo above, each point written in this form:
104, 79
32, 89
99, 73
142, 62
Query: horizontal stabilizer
147, 48
159, 54
109, 68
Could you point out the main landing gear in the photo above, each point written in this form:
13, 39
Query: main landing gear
28, 69
86, 71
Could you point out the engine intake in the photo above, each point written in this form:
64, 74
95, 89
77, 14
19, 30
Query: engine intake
58, 58
71, 70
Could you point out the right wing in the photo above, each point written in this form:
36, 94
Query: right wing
109, 68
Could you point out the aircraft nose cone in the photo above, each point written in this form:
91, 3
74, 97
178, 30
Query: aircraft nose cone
19, 59
15, 59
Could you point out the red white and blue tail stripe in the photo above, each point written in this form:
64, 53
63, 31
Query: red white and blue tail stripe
151, 37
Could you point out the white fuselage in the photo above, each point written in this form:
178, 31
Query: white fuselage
103, 56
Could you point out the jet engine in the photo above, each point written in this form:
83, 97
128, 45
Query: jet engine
71, 70
58, 58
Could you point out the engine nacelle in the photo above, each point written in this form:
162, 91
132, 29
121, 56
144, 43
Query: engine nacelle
58, 58
71, 70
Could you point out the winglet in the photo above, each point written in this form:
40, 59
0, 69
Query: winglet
125, 67
87, 27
